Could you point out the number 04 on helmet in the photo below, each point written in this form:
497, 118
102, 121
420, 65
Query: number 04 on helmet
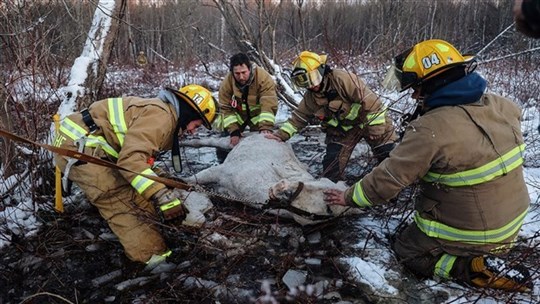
426, 60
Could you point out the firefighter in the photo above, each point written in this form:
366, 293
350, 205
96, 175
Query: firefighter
348, 109
247, 97
527, 17
131, 131
466, 150
141, 59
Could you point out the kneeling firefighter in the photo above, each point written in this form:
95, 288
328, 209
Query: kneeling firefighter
131, 131
466, 148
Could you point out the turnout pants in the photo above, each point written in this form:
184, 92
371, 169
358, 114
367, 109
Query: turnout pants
132, 218
340, 145
423, 255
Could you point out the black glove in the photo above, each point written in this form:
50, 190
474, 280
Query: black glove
381, 152
169, 205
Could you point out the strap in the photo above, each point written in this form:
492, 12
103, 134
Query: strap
298, 190
88, 121
175, 153
245, 91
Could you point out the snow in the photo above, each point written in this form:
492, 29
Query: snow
371, 274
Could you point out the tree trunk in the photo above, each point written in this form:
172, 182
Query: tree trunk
7, 151
82, 90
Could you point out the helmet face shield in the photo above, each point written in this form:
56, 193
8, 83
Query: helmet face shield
308, 70
302, 79
392, 79
397, 80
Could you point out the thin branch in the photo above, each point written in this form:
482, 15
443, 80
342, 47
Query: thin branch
46, 294
510, 55
494, 39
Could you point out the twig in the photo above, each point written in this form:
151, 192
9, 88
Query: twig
494, 39
511, 55
46, 294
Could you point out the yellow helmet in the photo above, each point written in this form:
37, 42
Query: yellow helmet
308, 70
201, 100
426, 60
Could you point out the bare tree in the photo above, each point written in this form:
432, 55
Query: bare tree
82, 89
243, 34
7, 154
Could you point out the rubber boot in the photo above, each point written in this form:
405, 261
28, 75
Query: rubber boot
493, 272
330, 162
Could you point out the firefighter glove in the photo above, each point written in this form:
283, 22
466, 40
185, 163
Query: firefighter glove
169, 204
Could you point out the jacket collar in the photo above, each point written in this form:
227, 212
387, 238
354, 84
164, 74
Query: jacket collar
466, 90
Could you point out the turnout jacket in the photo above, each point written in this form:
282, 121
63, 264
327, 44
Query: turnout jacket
131, 130
343, 102
468, 158
261, 100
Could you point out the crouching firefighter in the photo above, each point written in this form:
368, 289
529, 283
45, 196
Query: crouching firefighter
347, 108
466, 148
131, 131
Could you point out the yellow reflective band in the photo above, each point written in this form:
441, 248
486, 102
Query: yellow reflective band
266, 116
444, 266
289, 129
59, 140
94, 141
158, 258
359, 197
170, 205
229, 120
376, 118
504, 164
116, 118
333, 122
263, 117
353, 113
71, 129
141, 183
239, 119
251, 108
441, 231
